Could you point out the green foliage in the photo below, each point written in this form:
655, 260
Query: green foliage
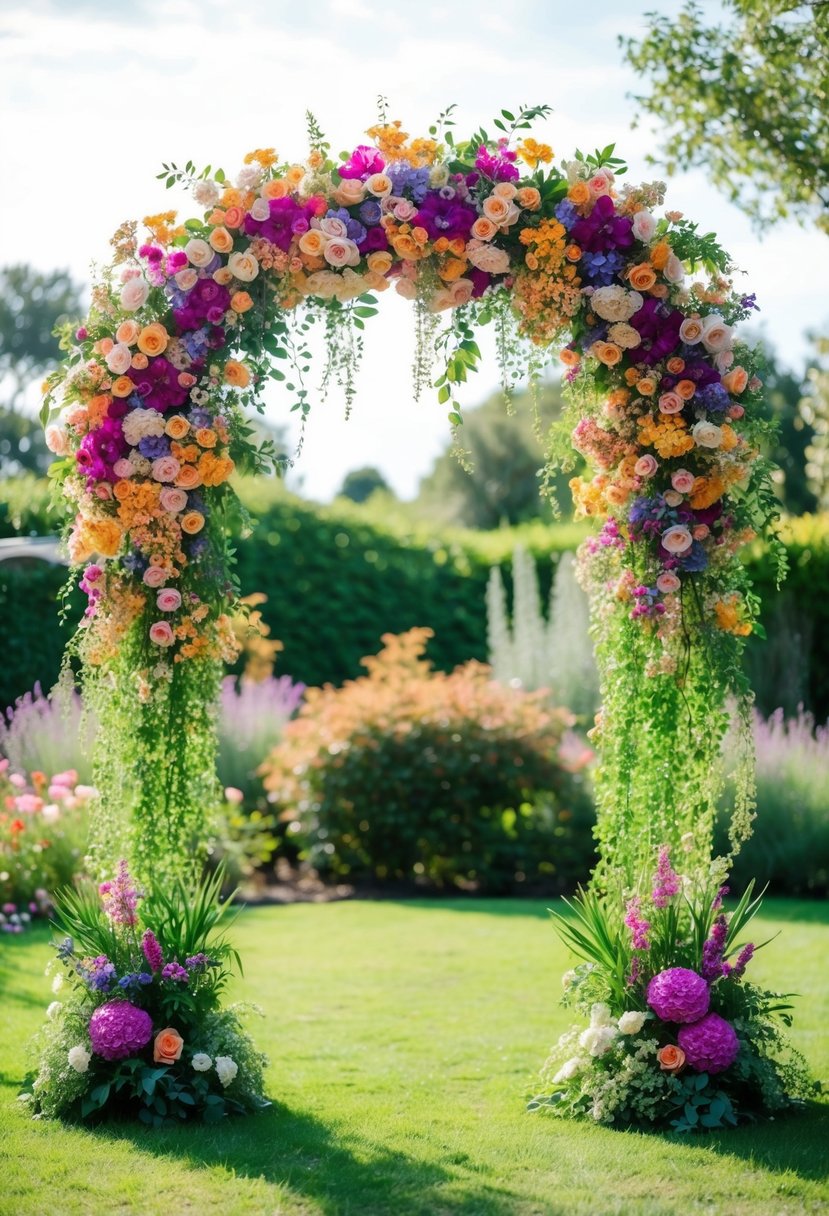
32, 305
360, 484
407, 773
744, 99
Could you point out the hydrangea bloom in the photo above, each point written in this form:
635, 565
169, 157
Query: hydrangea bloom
678, 995
710, 1045
119, 1029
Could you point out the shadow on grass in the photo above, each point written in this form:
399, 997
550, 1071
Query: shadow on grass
311, 1161
793, 1143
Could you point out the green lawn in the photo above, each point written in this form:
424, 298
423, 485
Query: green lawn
402, 1039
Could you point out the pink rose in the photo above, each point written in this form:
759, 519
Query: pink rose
122, 468
154, 576
677, 539
701, 531
646, 466
173, 499
168, 600
736, 411
233, 795
162, 634
683, 481
403, 210
166, 468
57, 440
667, 582
119, 358
134, 294
670, 403
340, 251
333, 227
644, 226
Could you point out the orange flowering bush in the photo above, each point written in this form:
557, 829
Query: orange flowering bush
409, 773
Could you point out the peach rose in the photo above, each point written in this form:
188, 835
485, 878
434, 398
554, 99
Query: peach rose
165, 468
671, 1058
498, 209
139, 360
607, 353
483, 229
685, 389
188, 478
690, 331
222, 276
528, 198
490, 259
57, 439
153, 339
193, 522
736, 380
236, 374
349, 192
234, 217
642, 277
670, 403
187, 278
154, 576
127, 332
672, 497
579, 193
122, 387
646, 386
119, 358
380, 262
240, 302
379, 185
675, 365
278, 188
198, 252
243, 266
220, 240
667, 583
205, 437
716, 335
676, 539
168, 1042
313, 242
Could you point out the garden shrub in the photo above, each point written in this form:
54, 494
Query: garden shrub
410, 773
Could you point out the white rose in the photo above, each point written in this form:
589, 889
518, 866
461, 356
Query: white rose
614, 303
677, 539
198, 251
332, 226
600, 1014
706, 434
119, 359
568, 979
134, 294
206, 194
340, 251
243, 266
79, 1058
201, 1061
249, 177
632, 1022
226, 1069
379, 185
644, 226
569, 1069
438, 176
53, 1010
597, 1040
260, 209
716, 335
185, 280
489, 258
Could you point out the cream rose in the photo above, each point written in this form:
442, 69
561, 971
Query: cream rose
198, 252
489, 258
706, 434
690, 331
673, 270
57, 439
379, 185
206, 194
624, 335
672, 497
505, 190
349, 193
332, 226
340, 251
186, 279
644, 227
243, 266
677, 539
716, 335
260, 210
134, 294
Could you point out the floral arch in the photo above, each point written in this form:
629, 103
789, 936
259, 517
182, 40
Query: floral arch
147, 418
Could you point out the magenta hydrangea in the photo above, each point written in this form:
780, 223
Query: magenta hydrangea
119, 1029
710, 1045
678, 995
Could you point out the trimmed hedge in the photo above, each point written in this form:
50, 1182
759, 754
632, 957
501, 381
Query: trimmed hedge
339, 577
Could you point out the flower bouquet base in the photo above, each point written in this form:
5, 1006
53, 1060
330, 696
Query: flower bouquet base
676, 1038
142, 1033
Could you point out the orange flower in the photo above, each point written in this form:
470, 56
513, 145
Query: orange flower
234, 217
579, 193
153, 339
276, 189
452, 269
572, 253
237, 374
128, 332
570, 358
139, 361
736, 380
646, 386
205, 437
675, 365
607, 353
122, 387
660, 254
240, 301
188, 478
98, 409
642, 277
220, 240
177, 426
192, 522
685, 389
528, 198
167, 1046
671, 1058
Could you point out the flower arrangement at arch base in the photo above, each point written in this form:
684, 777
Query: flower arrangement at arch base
677, 1037
142, 1032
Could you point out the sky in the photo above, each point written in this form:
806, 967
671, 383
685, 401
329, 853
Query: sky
94, 97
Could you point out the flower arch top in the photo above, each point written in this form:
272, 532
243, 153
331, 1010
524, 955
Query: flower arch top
190, 322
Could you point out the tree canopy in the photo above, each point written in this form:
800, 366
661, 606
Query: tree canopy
745, 99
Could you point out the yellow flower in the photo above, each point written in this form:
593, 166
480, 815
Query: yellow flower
534, 153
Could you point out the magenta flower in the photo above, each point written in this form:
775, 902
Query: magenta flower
637, 924
666, 882
710, 1045
678, 995
120, 897
362, 163
152, 950
119, 1029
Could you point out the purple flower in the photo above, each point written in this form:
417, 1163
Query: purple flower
498, 166
136, 979
600, 269
712, 951
363, 162
713, 397
120, 897
198, 961
157, 384
743, 959
374, 239
99, 974
566, 213
175, 971
152, 950
406, 179
666, 882
603, 229
153, 446
370, 212
445, 217
710, 1044
678, 995
119, 1029
658, 325
637, 924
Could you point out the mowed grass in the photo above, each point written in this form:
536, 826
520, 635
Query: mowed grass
403, 1038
